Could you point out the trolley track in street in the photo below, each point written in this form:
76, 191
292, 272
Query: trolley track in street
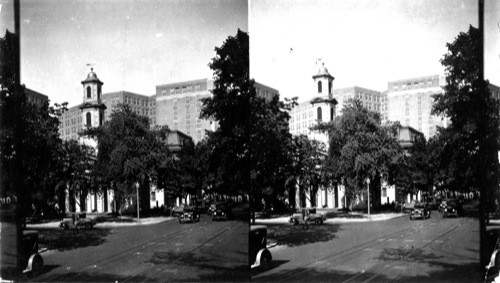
146, 274
353, 251
126, 252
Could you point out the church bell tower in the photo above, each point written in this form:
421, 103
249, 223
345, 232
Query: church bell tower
92, 107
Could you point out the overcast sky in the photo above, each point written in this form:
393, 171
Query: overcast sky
135, 45
363, 43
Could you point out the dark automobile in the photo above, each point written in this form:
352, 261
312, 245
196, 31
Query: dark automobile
241, 211
177, 211
77, 220
419, 211
212, 206
221, 211
452, 208
307, 215
32, 259
260, 256
190, 214
433, 202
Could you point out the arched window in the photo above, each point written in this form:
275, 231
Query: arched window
99, 92
332, 113
89, 92
89, 119
330, 87
320, 87
320, 114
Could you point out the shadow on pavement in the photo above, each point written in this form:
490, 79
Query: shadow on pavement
91, 277
274, 264
295, 236
218, 271
63, 240
449, 273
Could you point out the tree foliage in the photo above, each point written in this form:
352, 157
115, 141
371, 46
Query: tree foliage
471, 140
360, 147
130, 153
252, 133
29, 137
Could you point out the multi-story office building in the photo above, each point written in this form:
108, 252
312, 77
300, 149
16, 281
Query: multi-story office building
371, 99
410, 102
178, 106
71, 120
71, 123
35, 97
268, 93
140, 104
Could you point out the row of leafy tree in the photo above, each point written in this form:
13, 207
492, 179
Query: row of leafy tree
251, 153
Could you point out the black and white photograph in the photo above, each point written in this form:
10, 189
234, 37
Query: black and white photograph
108, 168
249, 141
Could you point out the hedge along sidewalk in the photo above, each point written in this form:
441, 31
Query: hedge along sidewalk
352, 219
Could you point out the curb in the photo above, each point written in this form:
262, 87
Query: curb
284, 220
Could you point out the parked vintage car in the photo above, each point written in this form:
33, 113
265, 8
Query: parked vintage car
452, 208
260, 256
177, 210
241, 211
307, 215
77, 220
32, 260
420, 211
408, 207
190, 214
212, 207
222, 211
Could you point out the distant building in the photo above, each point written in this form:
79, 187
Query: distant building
371, 99
407, 136
410, 102
141, 104
72, 123
268, 93
35, 97
178, 105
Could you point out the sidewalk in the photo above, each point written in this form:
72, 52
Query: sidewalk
122, 223
356, 218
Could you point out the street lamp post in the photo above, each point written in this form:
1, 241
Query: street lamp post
368, 191
137, 190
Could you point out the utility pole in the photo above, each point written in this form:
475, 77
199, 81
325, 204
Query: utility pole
368, 193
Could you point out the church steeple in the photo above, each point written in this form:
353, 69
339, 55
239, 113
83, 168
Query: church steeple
323, 82
92, 107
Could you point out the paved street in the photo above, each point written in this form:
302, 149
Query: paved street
432, 250
168, 251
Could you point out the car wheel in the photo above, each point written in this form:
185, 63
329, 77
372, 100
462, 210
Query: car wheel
265, 261
37, 264
317, 221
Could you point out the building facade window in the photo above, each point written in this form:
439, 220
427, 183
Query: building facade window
320, 87
320, 114
89, 92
